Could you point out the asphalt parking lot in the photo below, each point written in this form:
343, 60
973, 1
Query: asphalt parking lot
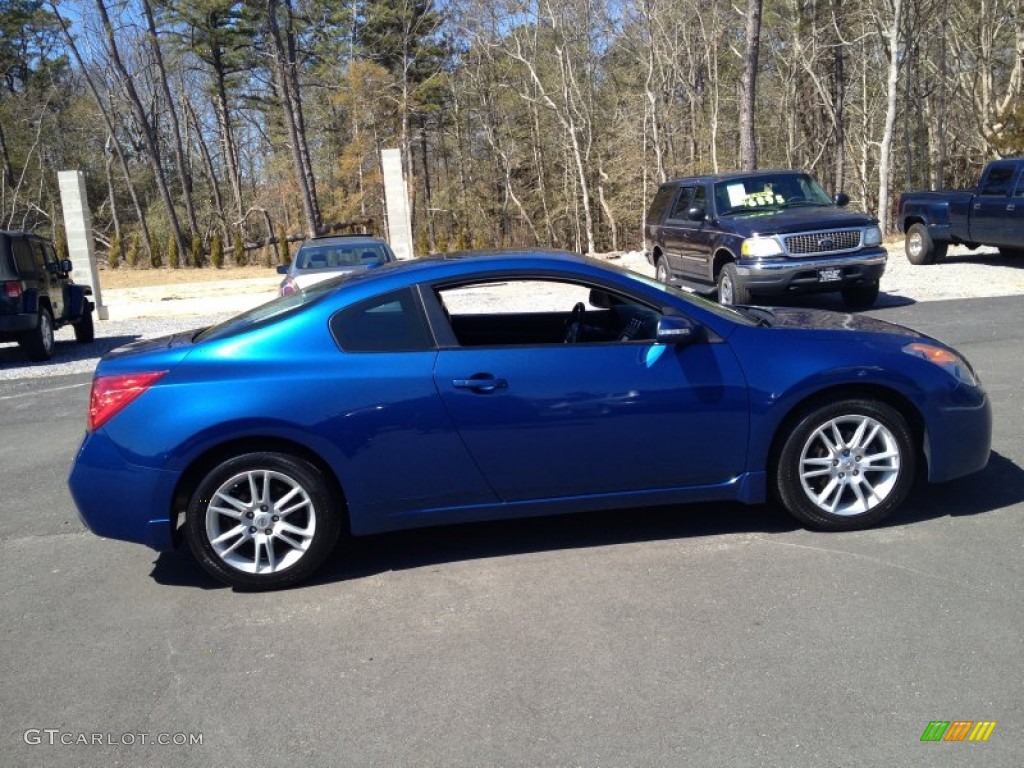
713, 635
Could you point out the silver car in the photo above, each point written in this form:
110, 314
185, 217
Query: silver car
322, 258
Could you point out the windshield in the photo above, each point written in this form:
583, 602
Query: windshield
264, 313
768, 191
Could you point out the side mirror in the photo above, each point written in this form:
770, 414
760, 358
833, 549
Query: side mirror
65, 266
841, 199
282, 269
695, 213
676, 329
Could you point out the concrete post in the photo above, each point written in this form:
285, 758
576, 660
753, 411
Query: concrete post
396, 197
78, 228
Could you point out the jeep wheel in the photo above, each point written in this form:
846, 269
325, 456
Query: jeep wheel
730, 290
860, 296
921, 249
84, 329
38, 343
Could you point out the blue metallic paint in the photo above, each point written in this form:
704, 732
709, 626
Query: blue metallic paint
579, 427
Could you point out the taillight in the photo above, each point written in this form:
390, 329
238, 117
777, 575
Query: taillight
12, 289
288, 287
110, 394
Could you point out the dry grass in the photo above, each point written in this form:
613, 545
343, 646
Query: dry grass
138, 278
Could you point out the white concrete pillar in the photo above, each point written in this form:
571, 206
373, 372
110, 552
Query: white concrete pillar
396, 198
78, 229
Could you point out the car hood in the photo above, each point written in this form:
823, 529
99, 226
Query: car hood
819, 319
794, 220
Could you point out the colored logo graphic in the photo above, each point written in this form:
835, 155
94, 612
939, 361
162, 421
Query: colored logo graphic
958, 730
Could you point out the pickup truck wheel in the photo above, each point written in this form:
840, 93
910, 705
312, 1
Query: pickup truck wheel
730, 290
860, 296
661, 272
38, 343
920, 247
84, 329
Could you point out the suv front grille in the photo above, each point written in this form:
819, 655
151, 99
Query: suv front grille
816, 243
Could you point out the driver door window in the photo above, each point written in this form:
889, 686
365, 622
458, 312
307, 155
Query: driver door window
543, 312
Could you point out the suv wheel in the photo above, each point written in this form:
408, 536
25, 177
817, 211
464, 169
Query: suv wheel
38, 343
661, 272
730, 290
860, 296
84, 329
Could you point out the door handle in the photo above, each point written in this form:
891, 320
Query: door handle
480, 383
1011, 207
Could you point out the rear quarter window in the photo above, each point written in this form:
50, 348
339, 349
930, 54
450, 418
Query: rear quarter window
393, 322
661, 202
23, 260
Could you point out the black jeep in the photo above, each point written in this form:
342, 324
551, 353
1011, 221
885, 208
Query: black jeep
38, 296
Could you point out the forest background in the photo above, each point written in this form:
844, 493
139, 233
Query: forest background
210, 131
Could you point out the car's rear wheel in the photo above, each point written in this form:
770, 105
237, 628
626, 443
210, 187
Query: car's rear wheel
262, 521
860, 296
845, 465
730, 290
38, 343
85, 331
921, 249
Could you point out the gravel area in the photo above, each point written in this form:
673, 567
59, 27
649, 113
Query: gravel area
141, 313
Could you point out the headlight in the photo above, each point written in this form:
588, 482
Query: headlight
761, 248
873, 236
955, 365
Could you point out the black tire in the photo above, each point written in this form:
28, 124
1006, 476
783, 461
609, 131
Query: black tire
291, 549
1012, 253
85, 331
661, 272
821, 477
860, 296
921, 249
730, 289
38, 343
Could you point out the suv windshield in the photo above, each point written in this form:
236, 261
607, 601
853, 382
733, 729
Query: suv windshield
768, 191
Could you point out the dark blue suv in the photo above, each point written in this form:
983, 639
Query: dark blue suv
762, 234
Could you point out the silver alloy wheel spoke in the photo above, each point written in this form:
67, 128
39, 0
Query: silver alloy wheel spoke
248, 516
836, 459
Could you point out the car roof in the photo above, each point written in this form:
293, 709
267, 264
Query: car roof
342, 238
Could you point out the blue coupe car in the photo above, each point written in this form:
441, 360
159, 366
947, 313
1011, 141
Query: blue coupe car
483, 386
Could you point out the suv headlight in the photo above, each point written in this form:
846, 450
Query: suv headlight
761, 248
955, 365
873, 235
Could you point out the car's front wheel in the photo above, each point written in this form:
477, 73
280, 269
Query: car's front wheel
38, 343
845, 465
262, 521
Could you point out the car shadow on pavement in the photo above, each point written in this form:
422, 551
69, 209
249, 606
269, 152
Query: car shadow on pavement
999, 485
990, 258
64, 351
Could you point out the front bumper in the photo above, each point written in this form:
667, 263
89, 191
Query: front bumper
959, 438
779, 276
120, 500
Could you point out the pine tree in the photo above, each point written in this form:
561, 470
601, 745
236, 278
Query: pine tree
114, 253
216, 251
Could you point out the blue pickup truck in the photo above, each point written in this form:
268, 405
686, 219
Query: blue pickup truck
991, 214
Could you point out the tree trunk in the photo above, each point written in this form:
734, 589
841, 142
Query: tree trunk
179, 153
144, 125
748, 95
893, 40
